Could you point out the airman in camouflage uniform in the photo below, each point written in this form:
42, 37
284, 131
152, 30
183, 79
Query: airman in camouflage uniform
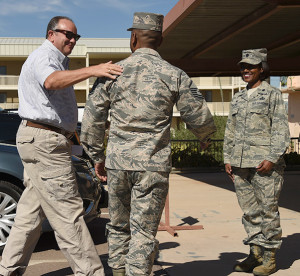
256, 138
138, 154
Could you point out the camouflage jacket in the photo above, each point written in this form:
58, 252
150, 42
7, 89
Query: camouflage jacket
141, 104
257, 128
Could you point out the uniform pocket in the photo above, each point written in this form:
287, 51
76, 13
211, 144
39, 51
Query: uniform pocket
26, 148
260, 141
260, 121
260, 146
60, 183
260, 108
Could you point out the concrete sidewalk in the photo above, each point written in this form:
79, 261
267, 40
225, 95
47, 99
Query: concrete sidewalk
195, 198
210, 199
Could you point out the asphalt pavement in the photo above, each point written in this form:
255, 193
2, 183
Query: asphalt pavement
206, 199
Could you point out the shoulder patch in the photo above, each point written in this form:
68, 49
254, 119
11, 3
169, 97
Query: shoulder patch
196, 93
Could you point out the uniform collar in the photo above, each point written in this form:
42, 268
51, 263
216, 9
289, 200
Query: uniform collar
261, 90
148, 51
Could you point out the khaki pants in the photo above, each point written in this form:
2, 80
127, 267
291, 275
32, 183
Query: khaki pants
136, 201
51, 191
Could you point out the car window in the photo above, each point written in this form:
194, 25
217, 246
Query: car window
9, 124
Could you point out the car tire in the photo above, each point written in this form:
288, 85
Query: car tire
9, 197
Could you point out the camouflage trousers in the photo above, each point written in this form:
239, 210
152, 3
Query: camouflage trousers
258, 196
136, 202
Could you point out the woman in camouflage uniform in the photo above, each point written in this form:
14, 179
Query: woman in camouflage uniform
256, 138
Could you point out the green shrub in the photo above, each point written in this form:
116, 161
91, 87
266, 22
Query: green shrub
181, 133
220, 122
190, 155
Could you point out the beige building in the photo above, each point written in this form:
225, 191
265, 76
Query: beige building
14, 51
218, 91
293, 91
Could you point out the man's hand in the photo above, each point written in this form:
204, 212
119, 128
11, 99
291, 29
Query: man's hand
100, 171
62, 79
228, 170
108, 70
265, 166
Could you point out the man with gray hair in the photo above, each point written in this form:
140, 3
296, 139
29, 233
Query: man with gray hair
138, 154
49, 117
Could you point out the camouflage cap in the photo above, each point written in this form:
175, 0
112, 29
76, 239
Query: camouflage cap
254, 56
147, 21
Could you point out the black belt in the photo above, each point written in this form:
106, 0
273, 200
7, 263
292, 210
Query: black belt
68, 134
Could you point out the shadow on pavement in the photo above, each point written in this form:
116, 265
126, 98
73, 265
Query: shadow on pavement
218, 179
289, 252
287, 255
46, 242
221, 267
288, 198
60, 272
68, 271
97, 230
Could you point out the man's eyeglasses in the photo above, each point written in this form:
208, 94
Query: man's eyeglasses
68, 34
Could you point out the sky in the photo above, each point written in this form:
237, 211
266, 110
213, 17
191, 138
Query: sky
93, 18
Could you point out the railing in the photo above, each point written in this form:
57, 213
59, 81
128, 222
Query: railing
188, 153
8, 81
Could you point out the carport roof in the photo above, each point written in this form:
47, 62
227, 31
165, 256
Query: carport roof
206, 37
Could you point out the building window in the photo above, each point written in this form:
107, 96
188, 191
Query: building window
2, 70
207, 94
2, 97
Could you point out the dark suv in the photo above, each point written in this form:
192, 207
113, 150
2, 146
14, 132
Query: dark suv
11, 178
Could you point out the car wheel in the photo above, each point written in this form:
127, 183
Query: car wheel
9, 197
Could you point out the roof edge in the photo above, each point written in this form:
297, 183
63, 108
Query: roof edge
177, 13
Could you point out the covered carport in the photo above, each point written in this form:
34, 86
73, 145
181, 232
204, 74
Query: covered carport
206, 37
